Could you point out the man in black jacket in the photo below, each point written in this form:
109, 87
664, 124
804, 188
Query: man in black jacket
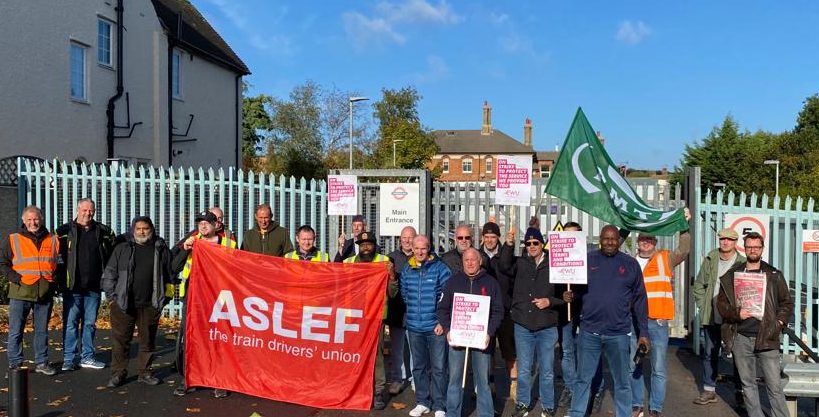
85, 246
463, 241
138, 281
396, 310
471, 280
534, 311
751, 339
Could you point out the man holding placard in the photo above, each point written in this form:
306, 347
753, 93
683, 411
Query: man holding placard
755, 305
470, 311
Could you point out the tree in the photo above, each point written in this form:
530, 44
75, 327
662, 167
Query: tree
256, 126
400, 131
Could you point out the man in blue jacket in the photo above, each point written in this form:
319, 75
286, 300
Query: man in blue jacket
472, 279
613, 300
422, 283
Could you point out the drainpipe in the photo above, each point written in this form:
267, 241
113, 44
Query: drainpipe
170, 101
238, 149
109, 112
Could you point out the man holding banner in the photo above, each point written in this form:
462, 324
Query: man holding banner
471, 280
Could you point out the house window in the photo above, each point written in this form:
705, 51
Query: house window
104, 42
544, 171
488, 165
175, 78
78, 77
466, 166
445, 165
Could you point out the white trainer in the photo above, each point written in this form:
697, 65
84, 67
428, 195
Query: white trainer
440, 413
419, 410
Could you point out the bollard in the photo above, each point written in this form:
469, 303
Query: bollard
18, 392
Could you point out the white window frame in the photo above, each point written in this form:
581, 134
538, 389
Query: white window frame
176, 75
445, 165
83, 75
102, 43
463, 165
489, 164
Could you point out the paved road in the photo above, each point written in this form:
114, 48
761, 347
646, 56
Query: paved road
82, 393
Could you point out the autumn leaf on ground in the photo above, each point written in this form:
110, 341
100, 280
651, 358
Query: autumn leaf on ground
193, 410
398, 406
101, 388
58, 401
255, 414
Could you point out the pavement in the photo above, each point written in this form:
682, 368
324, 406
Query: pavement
83, 392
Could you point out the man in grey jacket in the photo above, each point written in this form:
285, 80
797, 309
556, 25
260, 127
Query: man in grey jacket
138, 281
705, 291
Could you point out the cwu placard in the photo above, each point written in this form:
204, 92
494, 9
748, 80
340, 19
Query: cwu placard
513, 180
399, 207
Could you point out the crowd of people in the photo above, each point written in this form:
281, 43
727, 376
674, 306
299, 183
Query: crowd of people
622, 314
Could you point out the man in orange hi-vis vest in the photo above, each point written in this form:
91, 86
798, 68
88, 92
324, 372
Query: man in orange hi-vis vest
28, 258
658, 267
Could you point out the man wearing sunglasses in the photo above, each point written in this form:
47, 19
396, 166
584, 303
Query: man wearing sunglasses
534, 311
463, 241
751, 340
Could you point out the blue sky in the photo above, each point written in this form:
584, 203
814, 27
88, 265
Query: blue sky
651, 75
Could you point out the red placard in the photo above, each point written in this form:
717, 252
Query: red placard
294, 331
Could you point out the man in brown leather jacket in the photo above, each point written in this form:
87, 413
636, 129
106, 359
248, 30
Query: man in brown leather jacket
752, 340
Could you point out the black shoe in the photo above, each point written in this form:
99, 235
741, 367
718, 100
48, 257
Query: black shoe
219, 393
148, 379
565, 398
181, 390
520, 410
378, 401
115, 381
740, 400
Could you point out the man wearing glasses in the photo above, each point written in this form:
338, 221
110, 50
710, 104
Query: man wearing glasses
463, 241
534, 311
705, 291
752, 340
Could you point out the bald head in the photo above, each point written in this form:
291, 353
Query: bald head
471, 262
420, 248
408, 233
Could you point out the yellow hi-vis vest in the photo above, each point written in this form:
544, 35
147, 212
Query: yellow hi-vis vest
31, 263
657, 278
319, 256
186, 272
378, 258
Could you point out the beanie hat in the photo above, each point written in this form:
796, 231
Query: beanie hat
533, 233
491, 227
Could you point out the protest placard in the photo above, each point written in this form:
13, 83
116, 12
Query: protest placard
567, 258
749, 289
470, 320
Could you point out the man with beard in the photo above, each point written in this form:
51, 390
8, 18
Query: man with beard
491, 253
138, 281
183, 260
366, 253
28, 259
471, 280
705, 291
754, 342
268, 237
306, 249
85, 247
613, 300
463, 241
396, 310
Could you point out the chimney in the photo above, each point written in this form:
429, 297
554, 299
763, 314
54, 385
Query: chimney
527, 133
601, 138
486, 129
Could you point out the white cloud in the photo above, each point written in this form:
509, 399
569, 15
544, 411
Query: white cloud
240, 17
383, 25
436, 69
632, 33
498, 19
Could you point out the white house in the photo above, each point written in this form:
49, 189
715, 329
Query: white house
143, 81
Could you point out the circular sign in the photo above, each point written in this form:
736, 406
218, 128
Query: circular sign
747, 224
399, 193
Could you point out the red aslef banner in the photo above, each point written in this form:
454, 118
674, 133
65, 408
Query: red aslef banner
294, 331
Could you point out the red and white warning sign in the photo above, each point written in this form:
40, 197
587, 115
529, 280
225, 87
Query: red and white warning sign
747, 223
810, 241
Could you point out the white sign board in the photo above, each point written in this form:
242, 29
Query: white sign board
399, 207
747, 223
513, 180
342, 195
470, 320
810, 241
567, 258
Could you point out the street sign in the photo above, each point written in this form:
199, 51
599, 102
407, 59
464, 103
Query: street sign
747, 223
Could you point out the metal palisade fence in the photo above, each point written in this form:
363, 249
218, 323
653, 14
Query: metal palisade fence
171, 197
788, 218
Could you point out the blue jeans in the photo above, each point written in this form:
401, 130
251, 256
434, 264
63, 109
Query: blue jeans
400, 364
616, 349
18, 314
568, 361
658, 335
429, 369
710, 356
480, 362
527, 343
746, 358
79, 306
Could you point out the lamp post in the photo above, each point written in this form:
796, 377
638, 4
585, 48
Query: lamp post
394, 141
774, 162
353, 100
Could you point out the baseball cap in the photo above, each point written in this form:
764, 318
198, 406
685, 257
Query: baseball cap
205, 215
365, 237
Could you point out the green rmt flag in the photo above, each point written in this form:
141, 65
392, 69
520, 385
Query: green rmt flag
585, 177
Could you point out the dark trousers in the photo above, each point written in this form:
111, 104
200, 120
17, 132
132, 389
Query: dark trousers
146, 319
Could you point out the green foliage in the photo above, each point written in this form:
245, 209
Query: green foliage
400, 133
256, 125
